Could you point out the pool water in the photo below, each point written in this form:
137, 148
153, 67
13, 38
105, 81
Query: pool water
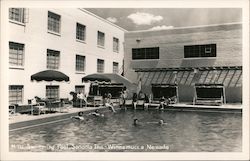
184, 132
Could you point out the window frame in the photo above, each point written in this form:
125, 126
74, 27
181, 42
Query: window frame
84, 32
146, 53
118, 45
102, 66
99, 40
200, 51
49, 21
115, 68
57, 87
17, 101
21, 13
56, 62
79, 86
17, 48
76, 63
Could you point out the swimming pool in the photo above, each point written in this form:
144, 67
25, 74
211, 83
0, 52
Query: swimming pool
184, 132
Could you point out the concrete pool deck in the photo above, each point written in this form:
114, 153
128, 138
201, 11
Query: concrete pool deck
224, 106
22, 121
18, 121
190, 107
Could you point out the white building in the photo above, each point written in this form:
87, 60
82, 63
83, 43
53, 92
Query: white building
73, 41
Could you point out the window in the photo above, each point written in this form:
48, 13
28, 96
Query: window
80, 63
100, 66
208, 50
80, 32
15, 94
52, 92
16, 14
145, 53
53, 58
16, 54
115, 44
115, 67
80, 88
100, 39
54, 22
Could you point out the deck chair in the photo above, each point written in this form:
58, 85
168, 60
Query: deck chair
65, 105
12, 110
173, 100
39, 108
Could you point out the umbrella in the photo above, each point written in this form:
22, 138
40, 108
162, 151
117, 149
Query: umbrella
111, 78
50, 75
96, 77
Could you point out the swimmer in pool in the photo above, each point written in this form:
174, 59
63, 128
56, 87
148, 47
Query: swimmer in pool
136, 122
160, 122
79, 117
96, 113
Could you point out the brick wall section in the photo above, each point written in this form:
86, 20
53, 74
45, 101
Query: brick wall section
227, 37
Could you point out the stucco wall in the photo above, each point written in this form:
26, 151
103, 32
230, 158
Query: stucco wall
37, 40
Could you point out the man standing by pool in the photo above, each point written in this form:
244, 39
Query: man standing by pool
80, 96
134, 100
146, 102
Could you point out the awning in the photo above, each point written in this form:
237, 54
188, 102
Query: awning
50, 75
109, 77
96, 78
229, 77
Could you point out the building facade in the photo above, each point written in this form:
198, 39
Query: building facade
189, 62
72, 41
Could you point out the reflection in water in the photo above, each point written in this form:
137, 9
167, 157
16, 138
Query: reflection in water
184, 132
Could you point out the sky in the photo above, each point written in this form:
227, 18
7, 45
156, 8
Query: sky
133, 19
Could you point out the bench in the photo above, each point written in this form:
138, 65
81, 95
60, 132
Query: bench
209, 101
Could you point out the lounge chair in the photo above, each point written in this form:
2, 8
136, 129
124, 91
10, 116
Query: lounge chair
65, 105
12, 110
39, 108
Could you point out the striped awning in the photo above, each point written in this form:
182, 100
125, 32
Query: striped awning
229, 77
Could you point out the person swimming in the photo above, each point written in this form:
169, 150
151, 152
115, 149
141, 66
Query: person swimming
96, 113
136, 122
160, 122
79, 117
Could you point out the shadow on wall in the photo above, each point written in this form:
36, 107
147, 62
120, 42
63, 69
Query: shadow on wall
198, 63
233, 94
145, 64
186, 93
173, 63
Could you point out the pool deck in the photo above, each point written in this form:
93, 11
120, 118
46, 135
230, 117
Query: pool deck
18, 121
190, 107
225, 106
22, 121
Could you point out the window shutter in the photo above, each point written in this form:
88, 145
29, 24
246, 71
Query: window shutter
26, 15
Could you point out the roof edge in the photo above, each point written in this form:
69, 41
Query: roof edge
188, 27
